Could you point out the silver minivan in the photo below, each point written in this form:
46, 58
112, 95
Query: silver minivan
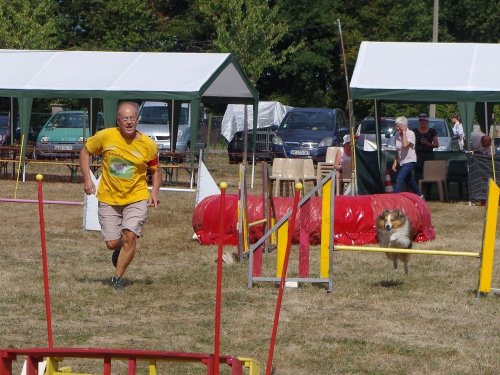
154, 122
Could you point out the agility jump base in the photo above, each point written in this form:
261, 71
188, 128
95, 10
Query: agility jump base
281, 231
133, 357
327, 246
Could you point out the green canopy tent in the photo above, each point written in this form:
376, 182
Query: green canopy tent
114, 76
462, 73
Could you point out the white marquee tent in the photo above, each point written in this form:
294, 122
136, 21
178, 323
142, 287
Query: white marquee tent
464, 73
270, 113
114, 76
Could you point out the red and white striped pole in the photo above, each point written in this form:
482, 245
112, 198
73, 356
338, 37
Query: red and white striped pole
45, 266
218, 293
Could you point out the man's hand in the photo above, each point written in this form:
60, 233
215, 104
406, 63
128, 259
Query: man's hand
153, 200
89, 187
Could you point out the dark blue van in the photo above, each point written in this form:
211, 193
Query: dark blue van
308, 132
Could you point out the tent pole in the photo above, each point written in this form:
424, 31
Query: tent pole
377, 135
245, 133
486, 122
171, 130
11, 121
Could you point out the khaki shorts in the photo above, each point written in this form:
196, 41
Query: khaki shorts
114, 219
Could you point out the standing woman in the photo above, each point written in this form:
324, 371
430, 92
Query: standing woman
426, 141
458, 130
406, 157
426, 137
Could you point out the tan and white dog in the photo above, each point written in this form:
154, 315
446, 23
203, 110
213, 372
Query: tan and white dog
394, 230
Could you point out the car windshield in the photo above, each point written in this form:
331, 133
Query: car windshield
440, 126
308, 121
69, 120
386, 126
154, 115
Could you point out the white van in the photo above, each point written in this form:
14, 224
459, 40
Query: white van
154, 122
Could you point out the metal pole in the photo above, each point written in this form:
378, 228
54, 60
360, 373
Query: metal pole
435, 25
45, 265
406, 251
218, 293
298, 187
245, 134
345, 73
377, 137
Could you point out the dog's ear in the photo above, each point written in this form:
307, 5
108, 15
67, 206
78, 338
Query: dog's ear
385, 212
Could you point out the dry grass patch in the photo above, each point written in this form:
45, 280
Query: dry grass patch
376, 321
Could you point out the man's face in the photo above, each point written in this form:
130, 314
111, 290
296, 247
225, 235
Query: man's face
127, 120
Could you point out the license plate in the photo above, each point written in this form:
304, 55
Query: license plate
63, 147
299, 152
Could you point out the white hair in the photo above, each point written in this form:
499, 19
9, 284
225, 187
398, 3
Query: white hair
402, 120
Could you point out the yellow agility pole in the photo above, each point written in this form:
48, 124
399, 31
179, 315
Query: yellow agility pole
281, 248
490, 227
406, 251
19, 165
324, 263
273, 235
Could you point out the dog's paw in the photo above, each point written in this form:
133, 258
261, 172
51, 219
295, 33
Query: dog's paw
395, 263
407, 269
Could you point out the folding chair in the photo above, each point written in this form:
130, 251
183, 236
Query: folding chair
435, 173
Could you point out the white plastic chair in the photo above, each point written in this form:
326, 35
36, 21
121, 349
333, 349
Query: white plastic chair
276, 173
435, 173
308, 173
291, 172
325, 167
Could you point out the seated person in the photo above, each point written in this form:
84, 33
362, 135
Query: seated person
343, 162
475, 137
486, 148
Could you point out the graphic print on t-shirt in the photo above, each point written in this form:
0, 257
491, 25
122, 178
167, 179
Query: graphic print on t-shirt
121, 168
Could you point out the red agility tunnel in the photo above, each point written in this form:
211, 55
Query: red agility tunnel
354, 217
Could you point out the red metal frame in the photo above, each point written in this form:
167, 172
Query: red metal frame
35, 355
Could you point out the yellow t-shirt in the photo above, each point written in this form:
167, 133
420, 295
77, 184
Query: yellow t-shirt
125, 163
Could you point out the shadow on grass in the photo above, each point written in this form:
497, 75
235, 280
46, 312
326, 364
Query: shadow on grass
107, 281
389, 283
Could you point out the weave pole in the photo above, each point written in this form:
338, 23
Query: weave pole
298, 188
218, 294
45, 266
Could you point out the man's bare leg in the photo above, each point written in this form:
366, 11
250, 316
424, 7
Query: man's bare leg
127, 253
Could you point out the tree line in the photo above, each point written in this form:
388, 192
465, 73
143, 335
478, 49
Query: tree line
290, 49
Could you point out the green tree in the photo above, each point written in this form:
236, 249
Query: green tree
28, 24
250, 29
313, 74
119, 25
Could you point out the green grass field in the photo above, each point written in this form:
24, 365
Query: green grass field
376, 321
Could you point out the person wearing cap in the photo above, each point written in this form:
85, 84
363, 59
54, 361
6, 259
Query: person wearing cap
426, 142
426, 137
343, 161
406, 157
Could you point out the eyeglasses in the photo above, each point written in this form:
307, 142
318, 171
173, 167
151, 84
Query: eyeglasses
127, 118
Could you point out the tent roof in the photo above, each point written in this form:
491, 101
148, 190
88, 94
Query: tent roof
147, 75
430, 72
